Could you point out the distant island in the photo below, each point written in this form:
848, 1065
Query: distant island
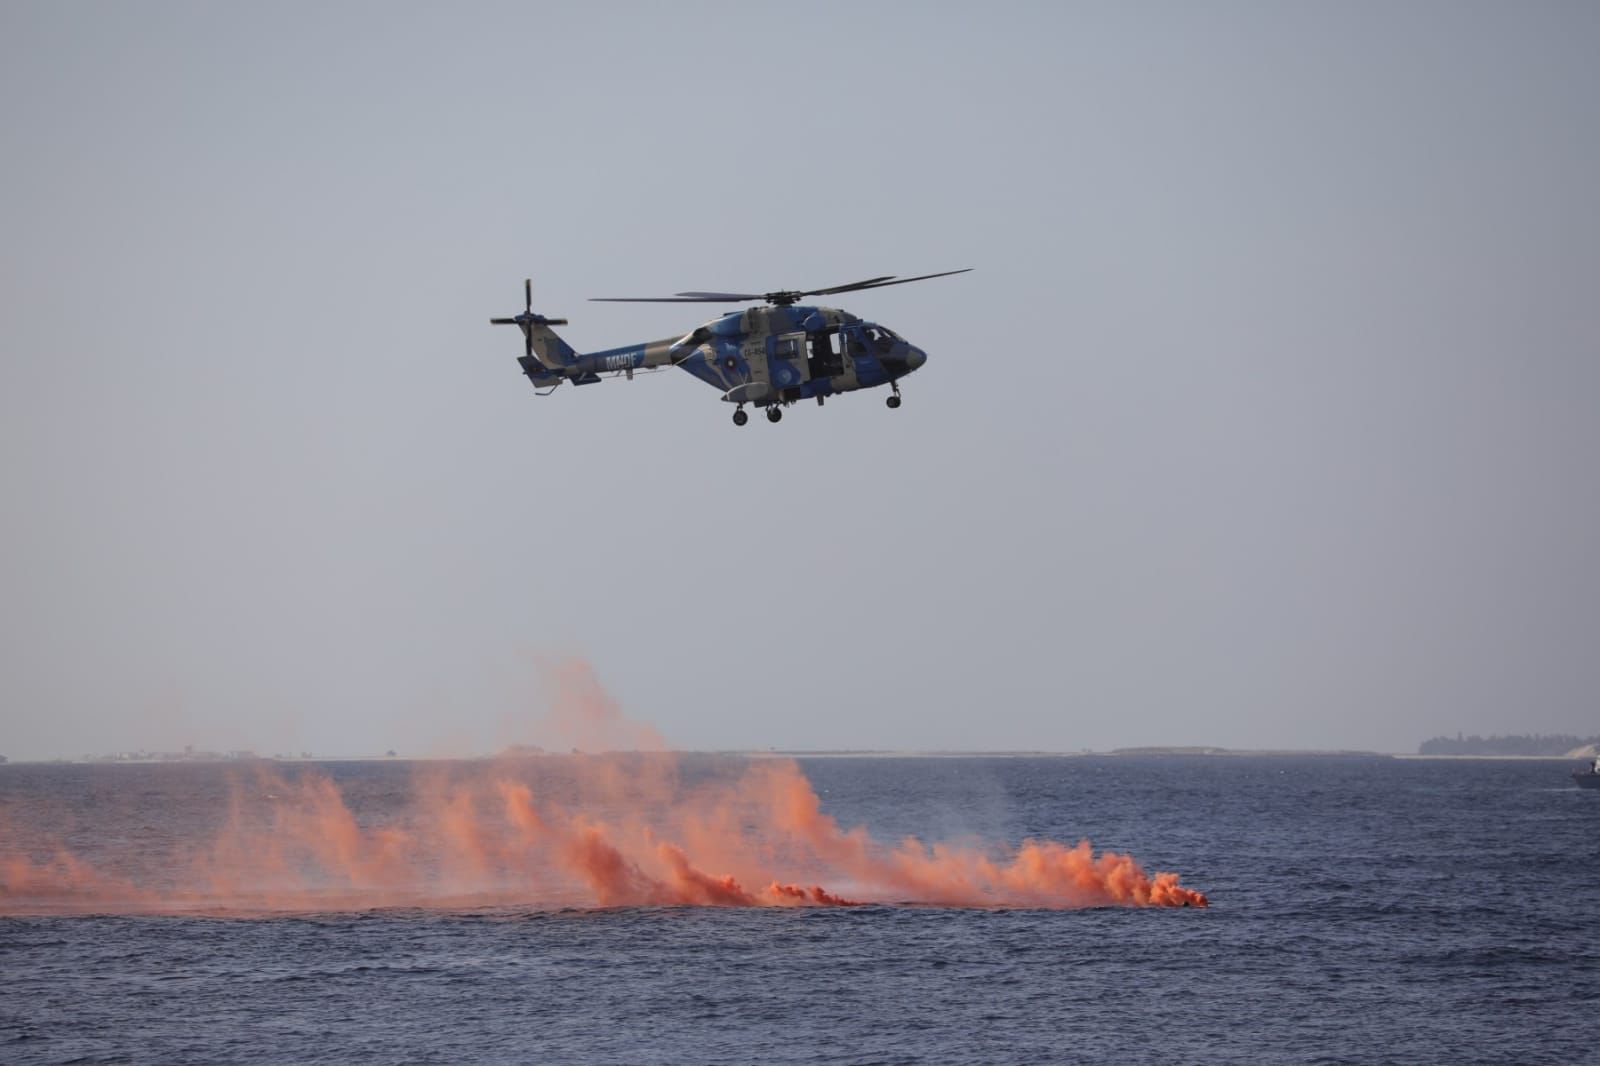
1553, 744
1332, 753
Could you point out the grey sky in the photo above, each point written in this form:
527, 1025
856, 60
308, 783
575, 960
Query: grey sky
1268, 417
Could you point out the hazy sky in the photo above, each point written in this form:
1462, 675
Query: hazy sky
1268, 416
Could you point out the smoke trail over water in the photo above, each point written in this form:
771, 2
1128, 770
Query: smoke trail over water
619, 829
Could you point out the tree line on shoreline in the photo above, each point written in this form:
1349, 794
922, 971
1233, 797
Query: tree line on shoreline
1521, 744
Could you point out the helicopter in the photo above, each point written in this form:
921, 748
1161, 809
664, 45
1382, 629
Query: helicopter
770, 356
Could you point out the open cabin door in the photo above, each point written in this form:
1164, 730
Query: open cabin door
824, 358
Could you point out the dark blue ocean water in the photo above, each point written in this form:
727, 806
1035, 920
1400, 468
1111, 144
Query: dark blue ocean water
1362, 910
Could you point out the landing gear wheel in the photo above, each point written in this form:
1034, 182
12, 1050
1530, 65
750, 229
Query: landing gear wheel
774, 414
739, 417
893, 401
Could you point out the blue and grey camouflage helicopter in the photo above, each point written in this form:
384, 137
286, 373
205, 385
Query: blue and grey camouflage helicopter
768, 357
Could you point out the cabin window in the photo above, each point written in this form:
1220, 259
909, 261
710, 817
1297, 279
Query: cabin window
880, 338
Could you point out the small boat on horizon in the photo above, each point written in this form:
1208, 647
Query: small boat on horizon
1589, 776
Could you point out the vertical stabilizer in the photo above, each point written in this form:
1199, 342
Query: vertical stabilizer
545, 346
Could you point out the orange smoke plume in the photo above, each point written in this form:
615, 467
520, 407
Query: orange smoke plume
617, 830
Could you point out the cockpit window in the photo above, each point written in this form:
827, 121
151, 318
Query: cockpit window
880, 338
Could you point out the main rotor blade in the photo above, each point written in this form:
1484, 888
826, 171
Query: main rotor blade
846, 288
900, 281
707, 299
736, 297
781, 298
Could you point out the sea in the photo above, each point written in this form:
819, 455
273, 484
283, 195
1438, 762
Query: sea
1361, 909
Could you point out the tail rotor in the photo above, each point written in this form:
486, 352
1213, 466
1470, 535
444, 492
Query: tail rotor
527, 320
549, 360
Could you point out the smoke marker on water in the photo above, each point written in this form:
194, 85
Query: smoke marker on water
615, 830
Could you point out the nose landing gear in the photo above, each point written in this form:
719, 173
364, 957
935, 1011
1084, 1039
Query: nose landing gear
893, 401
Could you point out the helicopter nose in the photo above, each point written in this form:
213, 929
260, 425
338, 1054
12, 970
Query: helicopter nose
915, 357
